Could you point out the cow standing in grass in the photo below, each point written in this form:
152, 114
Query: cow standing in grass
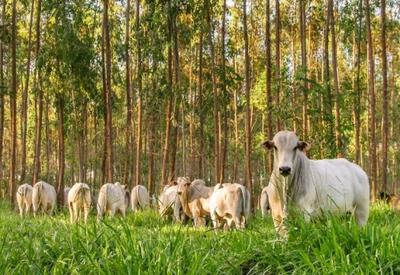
79, 200
313, 186
264, 204
169, 203
140, 198
230, 204
43, 197
24, 199
194, 197
112, 198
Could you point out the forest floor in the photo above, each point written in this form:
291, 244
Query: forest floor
144, 243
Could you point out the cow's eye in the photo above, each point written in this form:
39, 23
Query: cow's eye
295, 148
275, 148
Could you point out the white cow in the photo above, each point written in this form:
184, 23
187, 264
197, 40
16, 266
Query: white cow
140, 198
112, 198
79, 200
24, 198
228, 204
169, 203
313, 186
264, 204
43, 197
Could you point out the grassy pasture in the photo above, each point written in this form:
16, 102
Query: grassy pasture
145, 244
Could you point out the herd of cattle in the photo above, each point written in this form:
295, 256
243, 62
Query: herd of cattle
313, 187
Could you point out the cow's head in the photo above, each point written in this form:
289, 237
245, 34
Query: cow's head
183, 193
286, 146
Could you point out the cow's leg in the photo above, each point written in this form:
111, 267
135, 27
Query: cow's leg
86, 212
71, 213
214, 219
238, 222
112, 211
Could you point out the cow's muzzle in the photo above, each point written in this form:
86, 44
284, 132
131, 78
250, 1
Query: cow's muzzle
285, 171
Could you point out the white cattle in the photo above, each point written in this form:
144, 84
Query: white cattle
313, 186
43, 197
79, 200
228, 204
169, 203
112, 198
264, 204
24, 198
247, 199
140, 198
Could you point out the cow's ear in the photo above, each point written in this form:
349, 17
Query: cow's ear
303, 146
268, 145
172, 183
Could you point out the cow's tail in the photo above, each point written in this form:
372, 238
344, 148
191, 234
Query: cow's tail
39, 194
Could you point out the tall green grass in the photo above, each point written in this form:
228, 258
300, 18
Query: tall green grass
143, 243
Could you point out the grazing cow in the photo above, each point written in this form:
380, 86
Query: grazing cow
169, 203
392, 200
112, 198
313, 186
228, 204
66, 190
24, 199
140, 198
194, 197
264, 204
79, 201
43, 197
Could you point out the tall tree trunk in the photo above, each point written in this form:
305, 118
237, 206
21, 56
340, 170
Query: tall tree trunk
385, 122
304, 64
357, 97
48, 145
177, 100
338, 137
200, 109
61, 150
215, 95
330, 137
139, 96
224, 141
268, 77
24, 106
129, 110
38, 99
278, 60
169, 107
13, 102
372, 116
2, 91
249, 182
107, 97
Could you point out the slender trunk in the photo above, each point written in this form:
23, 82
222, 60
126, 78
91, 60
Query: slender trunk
2, 91
335, 83
129, 109
278, 60
48, 145
371, 89
24, 106
39, 100
13, 102
151, 140
191, 118
107, 97
330, 137
249, 182
215, 95
268, 77
385, 122
200, 109
223, 138
304, 64
61, 152
169, 110
139, 95
357, 97
177, 100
